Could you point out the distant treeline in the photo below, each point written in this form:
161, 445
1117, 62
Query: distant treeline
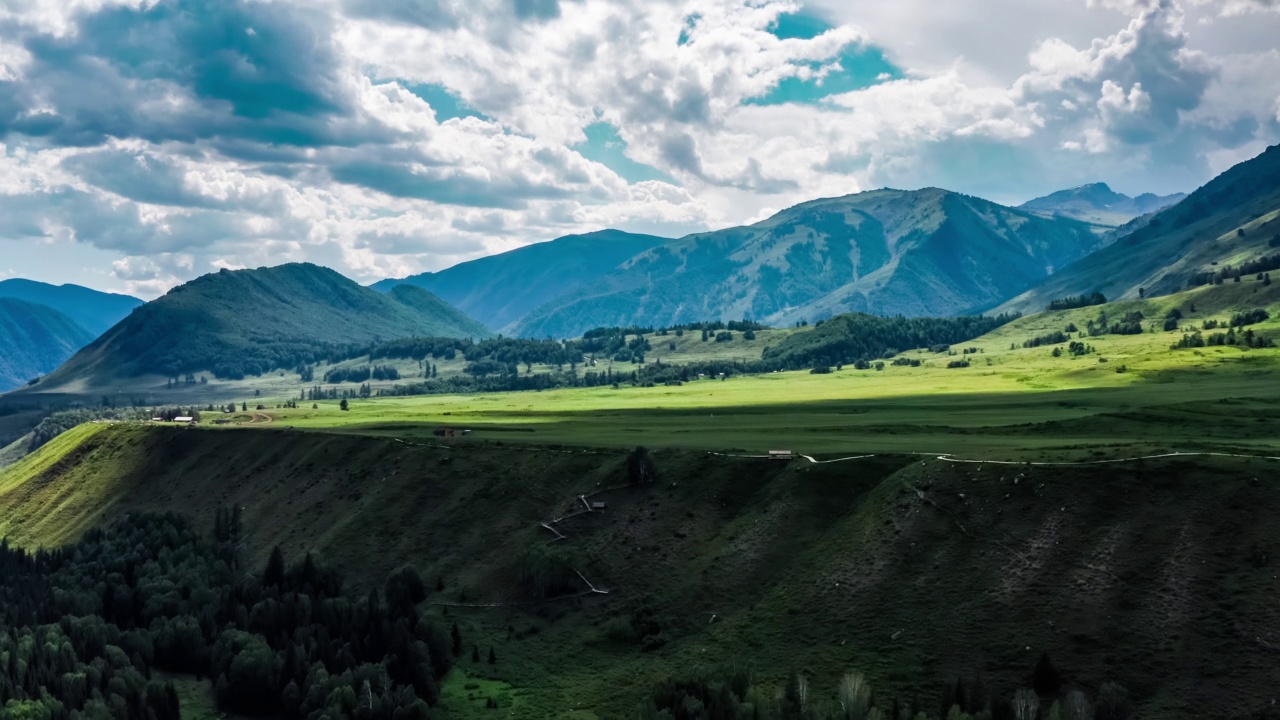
1072, 302
846, 339
86, 625
56, 423
1258, 268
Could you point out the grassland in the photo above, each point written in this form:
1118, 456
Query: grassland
1132, 393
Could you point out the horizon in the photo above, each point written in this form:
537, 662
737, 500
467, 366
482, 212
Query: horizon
384, 140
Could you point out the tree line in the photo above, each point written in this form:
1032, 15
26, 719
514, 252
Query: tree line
87, 625
733, 693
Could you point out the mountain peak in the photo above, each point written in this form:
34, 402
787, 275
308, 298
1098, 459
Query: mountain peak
1098, 204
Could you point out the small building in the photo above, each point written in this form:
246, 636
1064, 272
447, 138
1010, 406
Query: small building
444, 432
781, 455
597, 506
185, 419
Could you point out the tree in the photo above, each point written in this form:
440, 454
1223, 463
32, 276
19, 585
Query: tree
640, 467
475, 653
344, 405
456, 636
854, 695
274, 574
1026, 705
1045, 678
493, 656
1113, 702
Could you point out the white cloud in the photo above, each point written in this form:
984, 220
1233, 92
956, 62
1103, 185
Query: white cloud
324, 151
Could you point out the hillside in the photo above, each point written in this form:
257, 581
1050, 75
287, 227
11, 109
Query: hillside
247, 322
912, 570
888, 252
1232, 219
1099, 205
94, 311
35, 340
500, 289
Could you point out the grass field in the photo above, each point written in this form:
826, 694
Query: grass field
1133, 392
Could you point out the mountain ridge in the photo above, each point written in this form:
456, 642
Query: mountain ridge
34, 340
1231, 218
867, 252
1098, 204
246, 322
499, 289
94, 310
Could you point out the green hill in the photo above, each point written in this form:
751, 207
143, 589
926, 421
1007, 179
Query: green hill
248, 322
35, 340
94, 311
500, 289
909, 569
1099, 204
1231, 220
888, 252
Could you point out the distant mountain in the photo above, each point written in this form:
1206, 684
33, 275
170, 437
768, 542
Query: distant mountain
500, 289
34, 340
246, 322
1231, 219
887, 252
93, 310
1099, 204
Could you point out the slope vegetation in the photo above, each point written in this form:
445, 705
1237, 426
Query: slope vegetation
500, 289
914, 571
93, 310
247, 322
1232, 219
888, 252
34, 340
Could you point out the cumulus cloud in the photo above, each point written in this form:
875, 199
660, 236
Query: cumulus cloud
180, 136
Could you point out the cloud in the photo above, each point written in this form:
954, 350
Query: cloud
397, 136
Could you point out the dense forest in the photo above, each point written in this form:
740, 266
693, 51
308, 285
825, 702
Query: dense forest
86, 628
846, 339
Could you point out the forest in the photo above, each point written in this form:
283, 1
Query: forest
89, 628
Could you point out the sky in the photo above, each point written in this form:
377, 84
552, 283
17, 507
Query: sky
147, 142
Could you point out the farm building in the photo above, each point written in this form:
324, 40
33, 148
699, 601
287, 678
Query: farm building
781, 455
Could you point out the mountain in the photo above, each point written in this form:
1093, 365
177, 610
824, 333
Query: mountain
1232, 219
93, 310
34, 340
500, 289
1099, 204
246, 322
888, 252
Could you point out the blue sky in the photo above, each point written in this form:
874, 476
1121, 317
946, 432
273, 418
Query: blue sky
146, 143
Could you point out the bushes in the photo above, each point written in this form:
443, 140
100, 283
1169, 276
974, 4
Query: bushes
547, 571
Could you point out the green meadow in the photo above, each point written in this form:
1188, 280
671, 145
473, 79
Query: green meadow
1130, 393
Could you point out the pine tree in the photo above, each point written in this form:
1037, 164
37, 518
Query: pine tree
456, 635
493, 657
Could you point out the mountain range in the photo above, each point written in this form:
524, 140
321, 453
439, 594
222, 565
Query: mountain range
1099, 205
924, 252
499, 290
34, 340
246, 322
93, 310
1232, 218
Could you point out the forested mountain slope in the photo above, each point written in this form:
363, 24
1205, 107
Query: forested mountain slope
94, 311
34, 340
1232, 220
